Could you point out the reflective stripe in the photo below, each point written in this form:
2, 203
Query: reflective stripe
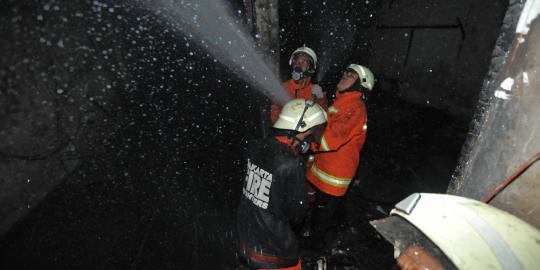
363, 72
324, 145
287, 118
254, 255
332, 109
504, 254
314, 116
330, 179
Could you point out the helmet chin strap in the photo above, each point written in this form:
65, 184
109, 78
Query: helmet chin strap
356, 86
303, 145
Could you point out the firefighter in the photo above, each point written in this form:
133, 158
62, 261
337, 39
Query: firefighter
275, 190
303, 62
442, 231
338, 157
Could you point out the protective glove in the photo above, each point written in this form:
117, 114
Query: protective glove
317, 91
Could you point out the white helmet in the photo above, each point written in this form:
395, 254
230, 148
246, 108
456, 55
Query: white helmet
367, 80
300, 115
470, 233
307, 51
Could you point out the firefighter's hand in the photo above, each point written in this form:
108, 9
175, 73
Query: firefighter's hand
317, 91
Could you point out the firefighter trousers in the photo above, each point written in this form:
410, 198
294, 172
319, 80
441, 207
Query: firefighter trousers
326, 212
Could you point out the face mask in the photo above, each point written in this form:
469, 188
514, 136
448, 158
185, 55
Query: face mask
304, 145
297, 74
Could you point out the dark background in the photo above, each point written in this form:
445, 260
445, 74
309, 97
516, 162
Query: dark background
121, 140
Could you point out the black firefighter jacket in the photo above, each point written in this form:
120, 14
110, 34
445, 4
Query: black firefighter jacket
274, 191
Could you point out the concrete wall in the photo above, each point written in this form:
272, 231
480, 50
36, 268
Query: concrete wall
60, 71
137, 161
506, 132
438, 51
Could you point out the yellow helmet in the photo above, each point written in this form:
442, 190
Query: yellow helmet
300, 115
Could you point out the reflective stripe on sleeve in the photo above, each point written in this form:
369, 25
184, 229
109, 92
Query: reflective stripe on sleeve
330, 179
324, 144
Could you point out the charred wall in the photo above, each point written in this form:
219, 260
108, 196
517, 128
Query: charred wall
61, 74
504, 131
437, 52
121, 140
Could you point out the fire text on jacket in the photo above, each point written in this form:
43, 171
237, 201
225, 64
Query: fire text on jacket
257, 185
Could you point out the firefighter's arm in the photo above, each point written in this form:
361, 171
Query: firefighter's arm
319, 96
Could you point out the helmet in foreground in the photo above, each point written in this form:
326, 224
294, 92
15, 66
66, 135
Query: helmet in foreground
460, 232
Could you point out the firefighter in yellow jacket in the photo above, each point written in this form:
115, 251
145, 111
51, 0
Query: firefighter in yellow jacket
338, 157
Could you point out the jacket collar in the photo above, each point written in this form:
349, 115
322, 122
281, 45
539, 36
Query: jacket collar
299, 85
285, 140
348, 95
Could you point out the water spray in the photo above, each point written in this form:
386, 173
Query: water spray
211, 24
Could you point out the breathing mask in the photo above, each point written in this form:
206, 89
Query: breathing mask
297, 74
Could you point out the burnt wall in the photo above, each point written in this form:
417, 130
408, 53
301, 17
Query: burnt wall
61, 74
437, 52
504, 133
121, 140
